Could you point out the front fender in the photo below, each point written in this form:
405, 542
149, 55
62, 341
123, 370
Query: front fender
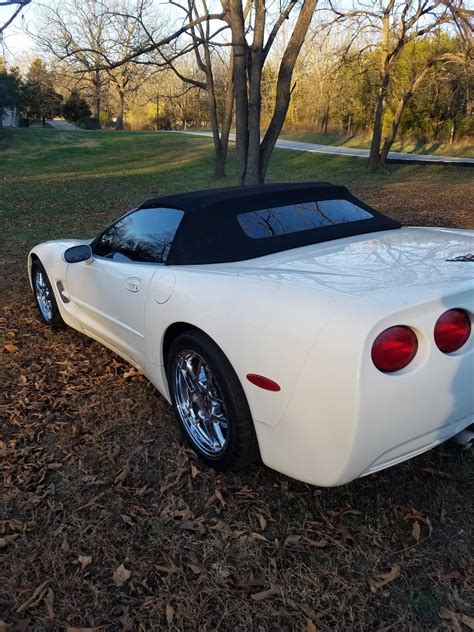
50, 254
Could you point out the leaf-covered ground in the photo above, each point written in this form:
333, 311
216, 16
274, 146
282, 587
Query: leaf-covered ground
107, 521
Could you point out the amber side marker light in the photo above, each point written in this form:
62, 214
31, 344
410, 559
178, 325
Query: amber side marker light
263, 382
452, 330
394, 348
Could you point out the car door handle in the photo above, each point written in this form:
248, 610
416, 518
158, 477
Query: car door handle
133, 284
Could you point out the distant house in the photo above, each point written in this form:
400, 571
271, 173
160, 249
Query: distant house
10, 117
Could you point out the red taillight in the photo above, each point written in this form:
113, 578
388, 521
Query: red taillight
394, 348
452, 330
263, 382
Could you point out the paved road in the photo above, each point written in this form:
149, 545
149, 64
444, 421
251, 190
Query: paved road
62, 125
314, 148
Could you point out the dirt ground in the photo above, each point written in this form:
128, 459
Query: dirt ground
108, 522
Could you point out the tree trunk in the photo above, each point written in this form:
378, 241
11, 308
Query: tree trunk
239, 54
283, 89
157, 111
96, 98
121, 110
228, 110
388, 141
219, 156
325, 120
375, 161
252, 171
402, 103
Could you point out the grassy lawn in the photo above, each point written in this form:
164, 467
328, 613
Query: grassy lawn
96, 478
463, 150
72, 183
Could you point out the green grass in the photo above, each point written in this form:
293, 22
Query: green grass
61, 184
463, 150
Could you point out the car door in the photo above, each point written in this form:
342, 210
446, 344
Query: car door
109, 292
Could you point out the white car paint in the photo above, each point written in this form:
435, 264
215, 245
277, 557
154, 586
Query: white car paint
306, 318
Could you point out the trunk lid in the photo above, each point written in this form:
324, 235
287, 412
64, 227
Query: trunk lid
408, 265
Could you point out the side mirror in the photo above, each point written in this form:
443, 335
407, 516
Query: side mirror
75, 254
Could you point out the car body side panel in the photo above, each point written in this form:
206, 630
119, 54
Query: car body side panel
264, 328
110, 298
50, 253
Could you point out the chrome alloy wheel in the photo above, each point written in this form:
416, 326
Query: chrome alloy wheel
43, 296
200, 404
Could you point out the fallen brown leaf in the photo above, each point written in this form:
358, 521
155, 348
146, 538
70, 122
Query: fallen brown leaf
169, 570
128, 520
121, 575
253, 535
197, 570
10, 347
416, 530
346, 536
456, 619
8, 539
262, 521
453, 575
384, 578
452, 617
320, 544
169, 613
310, 627
49, 602
273, 591
84, 561
122, 475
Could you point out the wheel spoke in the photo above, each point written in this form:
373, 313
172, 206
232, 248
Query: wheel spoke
200, 404
188, 380
43, 296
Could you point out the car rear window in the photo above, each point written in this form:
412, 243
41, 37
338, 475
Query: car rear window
293, 218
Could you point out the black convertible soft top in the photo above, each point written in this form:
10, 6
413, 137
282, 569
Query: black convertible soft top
211, 231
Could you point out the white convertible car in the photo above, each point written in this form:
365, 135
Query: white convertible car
287, 321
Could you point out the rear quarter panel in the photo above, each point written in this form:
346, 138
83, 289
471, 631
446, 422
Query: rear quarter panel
262, 326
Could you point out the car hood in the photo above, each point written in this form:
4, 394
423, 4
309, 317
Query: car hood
396, 261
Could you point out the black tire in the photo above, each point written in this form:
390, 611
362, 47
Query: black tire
241, 446
54, 321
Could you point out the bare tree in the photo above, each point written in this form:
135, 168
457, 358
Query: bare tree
200, 41
89, 35
76, 31
394, 24
126, 33
18, 6
253, 154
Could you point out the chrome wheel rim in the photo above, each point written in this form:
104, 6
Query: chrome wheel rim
43, 296
200, 404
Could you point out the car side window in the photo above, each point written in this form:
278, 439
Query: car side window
144, 235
